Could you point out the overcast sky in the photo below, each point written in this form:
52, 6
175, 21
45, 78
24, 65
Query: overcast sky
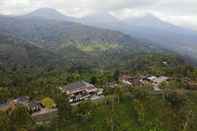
180, 12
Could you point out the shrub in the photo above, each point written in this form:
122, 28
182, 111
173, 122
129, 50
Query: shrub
48, 103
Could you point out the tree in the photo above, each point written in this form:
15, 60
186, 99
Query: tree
85, 111
4, 94
4, 122
118, 92
48, 103
65, 115
93, 80
180, 110
176, 99
73, 77
110, 102
20, 118
116, 75
22, 129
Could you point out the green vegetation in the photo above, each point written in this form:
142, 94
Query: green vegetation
97, 47
48, 103
19, 120
123, 109
39, 56
138, 111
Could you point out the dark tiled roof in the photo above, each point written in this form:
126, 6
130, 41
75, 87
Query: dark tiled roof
23, 98
78, 86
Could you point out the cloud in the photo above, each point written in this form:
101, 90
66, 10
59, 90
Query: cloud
184, 11
170, 6
94, 5
14, 6
188, 21
178, 7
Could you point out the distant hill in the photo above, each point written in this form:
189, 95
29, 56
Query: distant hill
48, 13
54, 38
167, 35
151, 28
148, 29
55, 34
17, 52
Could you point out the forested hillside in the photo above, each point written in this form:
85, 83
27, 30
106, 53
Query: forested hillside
57, 75
60, 41
18, 52
124, 107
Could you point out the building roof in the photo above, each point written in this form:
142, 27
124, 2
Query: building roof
78, 86
161, 79
23, 99
152, 78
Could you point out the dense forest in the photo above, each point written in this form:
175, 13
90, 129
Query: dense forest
123, 109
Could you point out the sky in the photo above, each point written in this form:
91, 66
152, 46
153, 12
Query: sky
178, 12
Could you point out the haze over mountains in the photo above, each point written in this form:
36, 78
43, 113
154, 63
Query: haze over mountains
148, 28
47, 27
49, 32
151, 28
70, 39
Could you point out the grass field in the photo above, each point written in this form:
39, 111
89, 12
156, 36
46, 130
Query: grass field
96, 47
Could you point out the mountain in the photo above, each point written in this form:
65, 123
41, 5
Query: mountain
58, 33
172, 37
17, 52
151, 28
49, 13
52, 30
70, 42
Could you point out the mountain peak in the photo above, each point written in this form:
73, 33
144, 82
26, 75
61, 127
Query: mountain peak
49, 13
46, 10
46, 13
